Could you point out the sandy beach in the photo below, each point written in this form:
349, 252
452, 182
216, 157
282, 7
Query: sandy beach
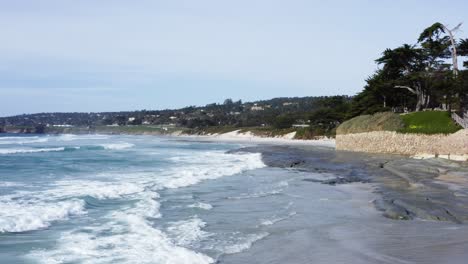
248, 137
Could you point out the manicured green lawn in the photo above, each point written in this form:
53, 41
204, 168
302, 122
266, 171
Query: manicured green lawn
429, 122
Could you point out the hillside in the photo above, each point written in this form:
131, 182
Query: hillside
320, 113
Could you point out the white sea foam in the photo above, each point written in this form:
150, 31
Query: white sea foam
21, 140
210, 165
117, 146
96, 189
190, 171
126, 235
185, 232
24, 216
147, 205
275, 189
31, 150
71, 137
200, 205
239, 243
127, 238
27, 210
10, 184
276, 219
8, 138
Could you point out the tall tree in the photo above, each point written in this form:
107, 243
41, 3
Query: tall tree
463, 50
405, 65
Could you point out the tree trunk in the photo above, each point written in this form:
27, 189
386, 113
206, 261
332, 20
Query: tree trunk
454, 48
422, 99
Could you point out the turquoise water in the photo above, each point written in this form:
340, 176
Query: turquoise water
123, 199
144, 199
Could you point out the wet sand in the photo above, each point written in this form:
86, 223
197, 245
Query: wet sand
393, 210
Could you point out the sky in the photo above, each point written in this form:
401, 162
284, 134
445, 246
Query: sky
116, 55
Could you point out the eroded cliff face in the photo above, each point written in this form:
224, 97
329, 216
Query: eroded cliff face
453, 146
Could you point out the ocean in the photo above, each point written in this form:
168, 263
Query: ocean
129, 199
162, 200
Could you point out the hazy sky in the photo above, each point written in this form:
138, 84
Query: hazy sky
108, 55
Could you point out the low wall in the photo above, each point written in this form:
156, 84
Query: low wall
453, 146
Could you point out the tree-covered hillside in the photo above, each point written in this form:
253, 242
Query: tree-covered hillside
322, 112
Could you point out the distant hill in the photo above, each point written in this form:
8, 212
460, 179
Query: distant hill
278, 112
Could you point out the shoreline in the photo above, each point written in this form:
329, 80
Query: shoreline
432, 189
248, 137
364, 195
378, 192
233, 137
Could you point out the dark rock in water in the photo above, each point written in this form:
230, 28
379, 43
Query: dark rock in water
337, 180
296, 163
391, 210
342, 180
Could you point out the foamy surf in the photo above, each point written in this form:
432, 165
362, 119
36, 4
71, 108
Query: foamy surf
24, 216
21, 140
113, 211
186, 232
31, 150
204, 206
117, 146
209, 166
71, 137
126, 238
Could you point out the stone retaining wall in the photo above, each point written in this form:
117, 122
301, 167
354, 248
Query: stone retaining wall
453, 146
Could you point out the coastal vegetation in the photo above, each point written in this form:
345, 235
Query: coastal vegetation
429, 122
425, 122
387, 121
423, 75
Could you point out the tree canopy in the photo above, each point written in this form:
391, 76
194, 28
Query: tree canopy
418, 76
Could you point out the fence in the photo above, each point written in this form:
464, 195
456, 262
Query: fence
461, 121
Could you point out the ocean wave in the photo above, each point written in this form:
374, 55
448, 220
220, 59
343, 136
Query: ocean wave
276, 219
10, 184
147, 205
31, 210
209, 165
117, 146
200, 205
186, 232
71, 137
127, 235
32, 150
236, 242
22, 140
202, 166
97, 189
23, 216
3, 138
274, 189
126, 238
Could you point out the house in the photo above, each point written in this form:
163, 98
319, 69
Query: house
300, 125
256, 107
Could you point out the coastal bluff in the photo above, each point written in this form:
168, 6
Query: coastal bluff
450, 146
